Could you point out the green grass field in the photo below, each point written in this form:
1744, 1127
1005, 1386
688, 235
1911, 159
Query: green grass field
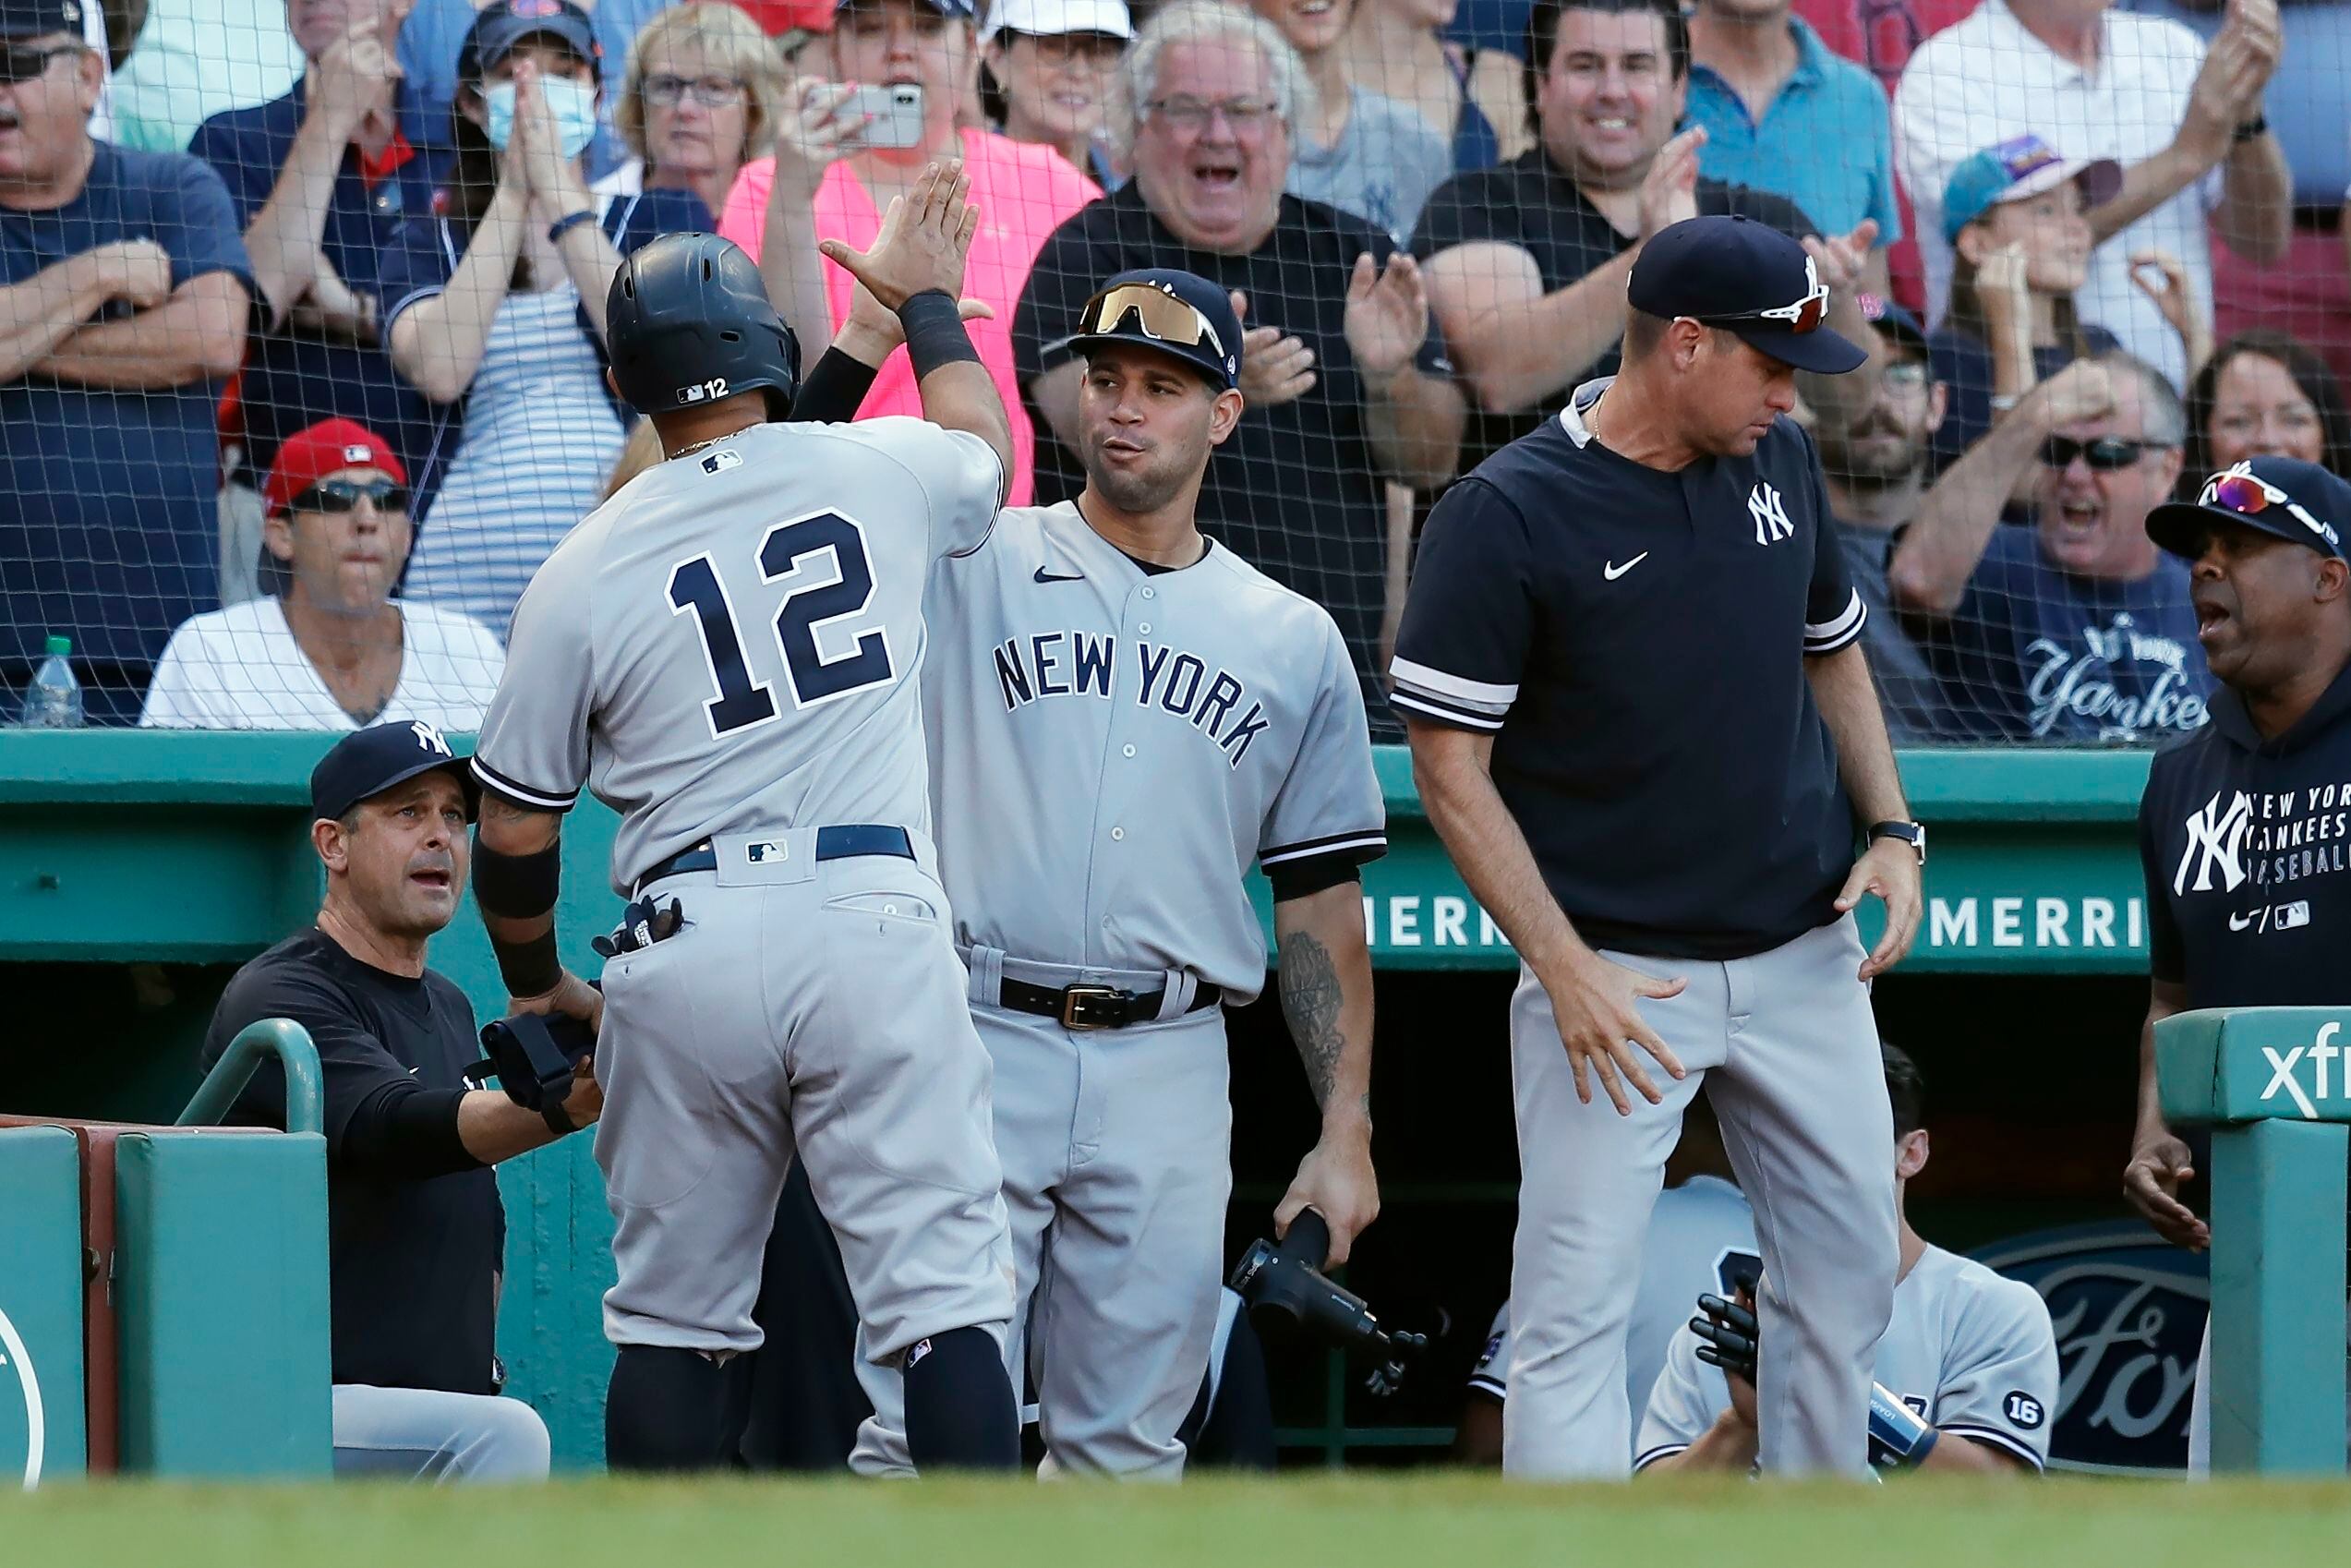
1358, 1521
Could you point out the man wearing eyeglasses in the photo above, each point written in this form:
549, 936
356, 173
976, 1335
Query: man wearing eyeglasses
2242, 830
124, 295
322, 179
2076, 628
1643, 725
327, 647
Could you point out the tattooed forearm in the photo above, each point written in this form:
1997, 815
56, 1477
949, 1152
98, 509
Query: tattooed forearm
1310, 1001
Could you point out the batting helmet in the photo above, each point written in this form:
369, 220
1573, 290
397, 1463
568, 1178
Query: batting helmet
688, 321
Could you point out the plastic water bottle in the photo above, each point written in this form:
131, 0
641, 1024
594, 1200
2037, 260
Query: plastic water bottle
54, 699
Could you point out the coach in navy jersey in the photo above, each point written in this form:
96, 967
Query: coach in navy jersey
2245, 830
1642, 723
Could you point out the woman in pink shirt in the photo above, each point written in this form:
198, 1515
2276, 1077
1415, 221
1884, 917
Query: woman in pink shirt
821, 184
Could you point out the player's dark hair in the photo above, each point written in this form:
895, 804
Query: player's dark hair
1906, 1087
1542, 32
2310, 372
1643, 332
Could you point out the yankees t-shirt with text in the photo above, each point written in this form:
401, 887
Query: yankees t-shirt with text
2247, 846
2037, 653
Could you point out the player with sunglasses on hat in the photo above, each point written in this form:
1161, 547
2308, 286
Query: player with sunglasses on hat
2076, 628
327, 647
2242, 830
1642, 723
1172, 717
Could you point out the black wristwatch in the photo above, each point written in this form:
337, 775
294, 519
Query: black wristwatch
1911, 832
2248, 130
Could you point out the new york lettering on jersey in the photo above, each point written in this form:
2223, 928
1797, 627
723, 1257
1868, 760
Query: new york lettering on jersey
1218, 710
727, 643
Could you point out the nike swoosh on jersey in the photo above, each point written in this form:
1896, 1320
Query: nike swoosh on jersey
2238, 922
1611, 570
1045, 576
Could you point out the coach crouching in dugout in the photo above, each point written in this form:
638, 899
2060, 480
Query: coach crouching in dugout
415, 1233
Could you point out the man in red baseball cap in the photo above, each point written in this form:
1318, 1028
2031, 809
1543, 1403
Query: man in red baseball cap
328, 646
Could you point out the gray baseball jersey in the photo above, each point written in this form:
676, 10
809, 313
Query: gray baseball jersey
1702, 1237
1967, 1350
734, 641
1155, 729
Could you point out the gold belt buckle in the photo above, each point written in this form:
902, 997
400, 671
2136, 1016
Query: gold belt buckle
1076, 996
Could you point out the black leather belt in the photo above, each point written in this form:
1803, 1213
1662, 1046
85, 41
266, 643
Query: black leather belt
1095, 1007
840, 842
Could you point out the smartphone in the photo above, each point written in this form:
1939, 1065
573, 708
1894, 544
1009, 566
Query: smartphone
897, 111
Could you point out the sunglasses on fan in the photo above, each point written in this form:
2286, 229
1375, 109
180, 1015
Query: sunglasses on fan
2102, 455
339, 496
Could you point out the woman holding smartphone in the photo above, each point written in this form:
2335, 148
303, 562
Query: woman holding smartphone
845, 149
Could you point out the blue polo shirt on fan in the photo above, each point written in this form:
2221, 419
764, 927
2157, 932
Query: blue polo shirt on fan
293, 378
2036, 653
1826, 142
109, 497
1634, 641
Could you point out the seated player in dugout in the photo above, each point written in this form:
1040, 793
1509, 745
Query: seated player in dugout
416, 1234
1702, 1237
1966, 1376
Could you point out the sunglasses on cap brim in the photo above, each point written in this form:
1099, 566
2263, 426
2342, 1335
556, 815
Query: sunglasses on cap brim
1805, 315
1161, 317
2249, 495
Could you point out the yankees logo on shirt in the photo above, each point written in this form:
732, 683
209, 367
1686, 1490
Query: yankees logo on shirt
2246, 844
1157, 724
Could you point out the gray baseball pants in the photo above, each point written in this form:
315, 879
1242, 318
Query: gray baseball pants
1786, 1047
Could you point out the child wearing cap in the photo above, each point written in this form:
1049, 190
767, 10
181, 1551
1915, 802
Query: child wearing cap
2016, 217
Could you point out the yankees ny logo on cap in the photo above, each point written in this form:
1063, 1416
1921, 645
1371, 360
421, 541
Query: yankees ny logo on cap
429, 739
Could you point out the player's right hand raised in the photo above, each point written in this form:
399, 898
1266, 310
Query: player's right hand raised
2159, 1164
923, 240
1595, 1003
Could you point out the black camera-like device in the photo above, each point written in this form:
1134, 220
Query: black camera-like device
1289, 1298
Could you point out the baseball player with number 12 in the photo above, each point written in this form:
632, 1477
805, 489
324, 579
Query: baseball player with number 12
1167, 717
729, 652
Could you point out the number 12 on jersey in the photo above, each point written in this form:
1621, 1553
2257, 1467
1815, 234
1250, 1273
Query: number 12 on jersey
813, 602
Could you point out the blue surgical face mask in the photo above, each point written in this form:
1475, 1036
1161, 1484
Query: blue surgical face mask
573, 104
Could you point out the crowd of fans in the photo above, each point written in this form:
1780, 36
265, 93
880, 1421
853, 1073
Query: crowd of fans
301, 357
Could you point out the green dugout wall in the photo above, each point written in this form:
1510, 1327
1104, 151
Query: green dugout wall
137, 870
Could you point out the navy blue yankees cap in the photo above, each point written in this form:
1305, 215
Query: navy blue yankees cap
498, 27
1747, 278
35, 19
1178, 313
366, 763
2281, 496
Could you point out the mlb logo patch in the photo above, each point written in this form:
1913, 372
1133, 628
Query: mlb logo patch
355, 454
719, 462
2289, 916
766, 851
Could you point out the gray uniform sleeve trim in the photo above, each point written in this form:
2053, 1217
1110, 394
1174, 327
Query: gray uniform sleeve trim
1369, 843
1644, 1460
522, 794
1471, 696
1487, 1384
1443, 712
1997, 1439
1827, 636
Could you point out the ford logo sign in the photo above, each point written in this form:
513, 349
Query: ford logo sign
2129, 1309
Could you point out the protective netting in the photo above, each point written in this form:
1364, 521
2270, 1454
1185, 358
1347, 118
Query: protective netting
2097, 252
